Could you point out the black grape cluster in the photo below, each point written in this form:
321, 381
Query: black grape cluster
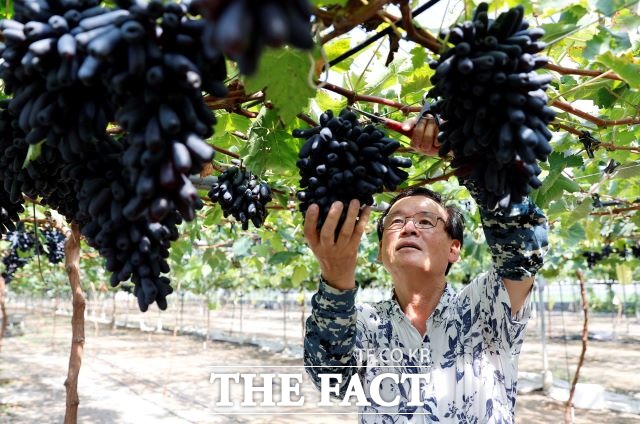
19, 241
342, 160
75, 66
635, 250
157, 71
54, 240
494, 103
72, 67
44, 61
242, 28
11, 200
43, 56
240, 194
134, 249
41, 178
594, 257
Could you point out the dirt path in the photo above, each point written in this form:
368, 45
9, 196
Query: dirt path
133, 377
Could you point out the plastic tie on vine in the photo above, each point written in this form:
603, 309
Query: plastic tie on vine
589, 142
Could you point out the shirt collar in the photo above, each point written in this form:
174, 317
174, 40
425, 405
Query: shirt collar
438, 314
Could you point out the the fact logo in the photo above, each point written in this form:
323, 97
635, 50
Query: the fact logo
330, 384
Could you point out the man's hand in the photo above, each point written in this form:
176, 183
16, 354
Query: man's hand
424, 138
337, 258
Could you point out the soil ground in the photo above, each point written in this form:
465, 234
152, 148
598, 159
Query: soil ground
129, 376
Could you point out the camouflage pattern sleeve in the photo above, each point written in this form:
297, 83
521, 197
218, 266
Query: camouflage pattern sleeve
330, 334
516, 237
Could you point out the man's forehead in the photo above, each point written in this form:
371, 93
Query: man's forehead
414, 204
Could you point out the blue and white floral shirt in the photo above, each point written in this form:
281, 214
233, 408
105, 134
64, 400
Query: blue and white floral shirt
465, 368
469, 353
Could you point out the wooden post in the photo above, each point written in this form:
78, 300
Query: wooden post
72, 266
5, 318
568, 411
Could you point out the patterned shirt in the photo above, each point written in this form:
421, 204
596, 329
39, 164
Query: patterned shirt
468, 356
465, 367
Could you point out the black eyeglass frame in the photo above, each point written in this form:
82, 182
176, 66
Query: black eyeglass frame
385, 227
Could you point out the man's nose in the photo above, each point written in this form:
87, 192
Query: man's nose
406, 229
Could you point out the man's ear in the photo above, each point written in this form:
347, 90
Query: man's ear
454, 251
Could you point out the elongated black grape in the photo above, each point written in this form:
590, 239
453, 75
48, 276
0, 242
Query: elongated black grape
494, 104
342, 160
242, 28
242, 195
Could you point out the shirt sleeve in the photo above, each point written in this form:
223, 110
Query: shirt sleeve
501, 329
330, 335
517, 236
517, 239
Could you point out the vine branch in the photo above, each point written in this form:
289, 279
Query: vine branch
442, 177
617, 211
607, 146
569, 108
583, 72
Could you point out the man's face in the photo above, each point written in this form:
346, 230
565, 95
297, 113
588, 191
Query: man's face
409, 247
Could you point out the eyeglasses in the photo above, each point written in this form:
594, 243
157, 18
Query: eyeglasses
421, 220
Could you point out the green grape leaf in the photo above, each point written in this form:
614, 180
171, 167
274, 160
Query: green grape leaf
628, 171
300, 273
581, 211
212, 216
242, 246
289, 95
270, 146
609, 7
624, 65
283, 258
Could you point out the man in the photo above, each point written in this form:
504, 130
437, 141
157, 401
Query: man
459, 349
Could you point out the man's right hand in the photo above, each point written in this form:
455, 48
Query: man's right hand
424, 136
337, 257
